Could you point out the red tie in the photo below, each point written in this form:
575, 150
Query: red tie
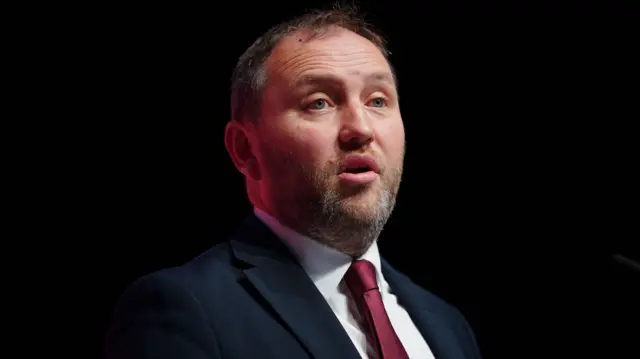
361, 281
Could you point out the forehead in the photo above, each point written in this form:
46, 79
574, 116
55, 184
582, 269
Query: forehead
337, 52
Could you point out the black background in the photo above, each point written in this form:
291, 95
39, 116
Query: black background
517, 185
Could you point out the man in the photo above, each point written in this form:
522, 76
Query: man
317, 132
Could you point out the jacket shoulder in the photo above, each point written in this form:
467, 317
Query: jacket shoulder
165, 307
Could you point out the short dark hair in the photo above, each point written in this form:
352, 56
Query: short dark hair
250, 75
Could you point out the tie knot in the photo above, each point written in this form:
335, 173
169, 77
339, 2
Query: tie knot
361, 277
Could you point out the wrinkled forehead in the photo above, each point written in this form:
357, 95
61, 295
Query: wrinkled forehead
335, 51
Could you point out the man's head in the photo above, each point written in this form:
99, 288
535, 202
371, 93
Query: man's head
316, 128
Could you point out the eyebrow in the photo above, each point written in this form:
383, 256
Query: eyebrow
316, 79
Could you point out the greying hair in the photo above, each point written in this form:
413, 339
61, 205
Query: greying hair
250, 74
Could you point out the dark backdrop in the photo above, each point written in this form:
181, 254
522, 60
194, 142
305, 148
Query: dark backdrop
516, 185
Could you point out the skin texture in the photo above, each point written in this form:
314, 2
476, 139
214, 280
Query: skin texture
327, 97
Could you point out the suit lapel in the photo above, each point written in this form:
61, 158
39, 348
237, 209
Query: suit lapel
432, 323
283, 283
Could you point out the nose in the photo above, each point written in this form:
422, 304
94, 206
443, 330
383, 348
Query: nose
356, 130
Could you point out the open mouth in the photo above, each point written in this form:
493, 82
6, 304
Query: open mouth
361, 169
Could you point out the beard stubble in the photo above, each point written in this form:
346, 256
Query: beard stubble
310, 200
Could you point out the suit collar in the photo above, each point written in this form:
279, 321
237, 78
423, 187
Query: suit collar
326, 266
275, 273
430, 315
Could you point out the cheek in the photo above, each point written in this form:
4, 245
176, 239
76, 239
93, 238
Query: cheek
314, 144
392, 138
288, 150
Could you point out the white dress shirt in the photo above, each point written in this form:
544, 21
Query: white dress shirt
326, 267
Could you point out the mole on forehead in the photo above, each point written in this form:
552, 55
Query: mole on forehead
296, 46
302, 36
299, 42
305, 35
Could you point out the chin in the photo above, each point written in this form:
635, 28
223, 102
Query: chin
363, 203
360, 190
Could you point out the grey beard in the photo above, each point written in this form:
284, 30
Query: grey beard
345, 232
320, 215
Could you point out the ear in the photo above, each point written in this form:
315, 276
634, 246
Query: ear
238, 142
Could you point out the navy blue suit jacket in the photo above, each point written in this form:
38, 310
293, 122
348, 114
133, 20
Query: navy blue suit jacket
248, 298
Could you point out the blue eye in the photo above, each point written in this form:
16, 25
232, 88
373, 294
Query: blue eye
378, 102
318, 104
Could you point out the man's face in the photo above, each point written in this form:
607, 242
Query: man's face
329, 105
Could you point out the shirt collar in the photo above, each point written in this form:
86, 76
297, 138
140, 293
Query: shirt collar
325, 266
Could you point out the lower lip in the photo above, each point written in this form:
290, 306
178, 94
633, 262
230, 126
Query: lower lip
358, 178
